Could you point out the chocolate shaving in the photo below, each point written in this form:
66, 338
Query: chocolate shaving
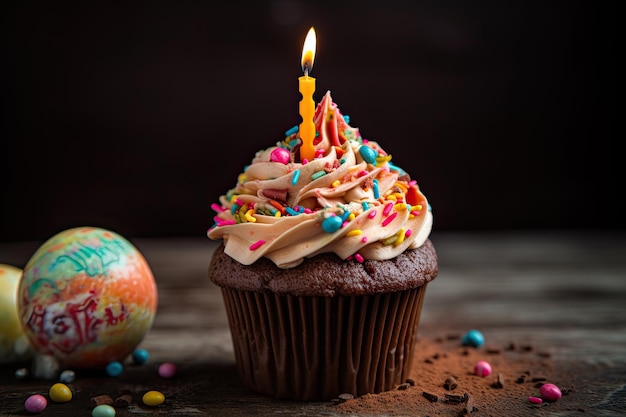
430, 397
403, 387
123, 400
499, 381
346, 396
450, 383
455, 399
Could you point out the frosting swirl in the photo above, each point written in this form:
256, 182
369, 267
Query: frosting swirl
349, 200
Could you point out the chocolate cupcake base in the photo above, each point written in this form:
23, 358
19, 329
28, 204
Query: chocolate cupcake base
313, 348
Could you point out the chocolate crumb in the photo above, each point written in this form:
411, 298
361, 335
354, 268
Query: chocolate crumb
450, 383
123, 400
493, 351
430, 397
511, 346
538, 379
410, 381
403, 387
469, 404
428, 360
453, 336
527, 348
499, 381
455, 399
100, 400
544, 354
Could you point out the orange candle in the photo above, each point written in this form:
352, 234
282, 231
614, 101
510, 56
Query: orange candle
307, 105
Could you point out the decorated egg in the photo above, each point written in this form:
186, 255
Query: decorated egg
87, 297
14, 346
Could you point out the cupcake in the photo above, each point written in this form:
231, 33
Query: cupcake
323, 265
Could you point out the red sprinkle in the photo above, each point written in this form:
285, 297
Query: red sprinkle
390, 218
364, 239
387, 208
257, 244
358, 258
371, 214
225, 222
217, 207
408, 233
535, 400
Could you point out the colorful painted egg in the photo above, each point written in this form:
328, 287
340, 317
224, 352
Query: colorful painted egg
87, 297
14, 346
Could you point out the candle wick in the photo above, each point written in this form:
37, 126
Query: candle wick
306, 69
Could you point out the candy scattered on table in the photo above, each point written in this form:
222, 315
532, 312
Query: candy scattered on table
114, 368
103, 410
68, 376
153, 398
36, 403
473, 338
482, 368
22, 373
60, 393
167, 370
550, 392
140, 356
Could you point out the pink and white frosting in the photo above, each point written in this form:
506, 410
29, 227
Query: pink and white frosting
350, 200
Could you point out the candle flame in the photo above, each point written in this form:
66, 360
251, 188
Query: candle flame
308, 51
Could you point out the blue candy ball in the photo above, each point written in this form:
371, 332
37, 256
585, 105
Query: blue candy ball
140, 356
114, 369
473, 338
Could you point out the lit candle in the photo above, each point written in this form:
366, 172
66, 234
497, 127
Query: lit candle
307, 105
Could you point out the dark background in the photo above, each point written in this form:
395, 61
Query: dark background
137, 116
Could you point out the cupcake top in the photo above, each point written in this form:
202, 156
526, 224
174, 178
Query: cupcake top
350, 200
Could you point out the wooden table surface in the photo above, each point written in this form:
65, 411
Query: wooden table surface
563, 291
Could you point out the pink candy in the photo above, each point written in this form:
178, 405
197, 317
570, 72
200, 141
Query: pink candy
535, 400
36, 403
482, 368
280, 155
167, 370
550, 392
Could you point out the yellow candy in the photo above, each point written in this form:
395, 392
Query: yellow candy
60, 393
153, 398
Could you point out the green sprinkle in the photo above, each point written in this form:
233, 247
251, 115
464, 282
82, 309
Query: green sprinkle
318, 174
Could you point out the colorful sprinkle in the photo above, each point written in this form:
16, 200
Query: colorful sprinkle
295, 177
371, 214
257, 244
376, 193
387, 209
408, 233
292, 131
359, 258
368, 154
216, 207
332, 224
318, 174
535, 400
390, 218
336, 183
365, 206
291, 211
364, 239
355, 232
